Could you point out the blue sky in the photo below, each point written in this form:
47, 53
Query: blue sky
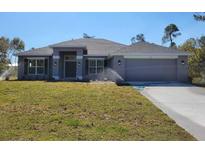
41, 29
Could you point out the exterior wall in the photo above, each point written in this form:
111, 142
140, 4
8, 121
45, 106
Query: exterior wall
20, 68
80, 64
182, 69
56, 65
118, 65
85, 68
50, 73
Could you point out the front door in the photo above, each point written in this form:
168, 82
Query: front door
70, 67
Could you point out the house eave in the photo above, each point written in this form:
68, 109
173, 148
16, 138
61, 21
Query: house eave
153, 55
95, 55
34, 55
70, 47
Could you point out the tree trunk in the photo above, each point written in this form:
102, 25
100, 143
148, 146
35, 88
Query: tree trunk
170, 37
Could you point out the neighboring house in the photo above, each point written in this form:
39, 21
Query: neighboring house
100, 59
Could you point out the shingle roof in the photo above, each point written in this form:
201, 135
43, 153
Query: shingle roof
45, 51
94, 47
145, 48
105, 47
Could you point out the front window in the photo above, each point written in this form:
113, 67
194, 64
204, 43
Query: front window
95, 66
36, 66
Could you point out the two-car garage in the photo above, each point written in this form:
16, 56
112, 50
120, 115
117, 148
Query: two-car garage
150, 69
145, 61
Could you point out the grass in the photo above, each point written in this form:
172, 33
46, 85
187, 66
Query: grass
38, 110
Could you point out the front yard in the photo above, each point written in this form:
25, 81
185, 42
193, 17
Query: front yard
38, 110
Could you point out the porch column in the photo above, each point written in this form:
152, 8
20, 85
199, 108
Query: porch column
55, 65
79, 60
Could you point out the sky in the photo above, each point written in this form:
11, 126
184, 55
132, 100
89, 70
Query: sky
42, 29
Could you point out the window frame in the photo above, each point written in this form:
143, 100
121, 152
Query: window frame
95, 66
36, 66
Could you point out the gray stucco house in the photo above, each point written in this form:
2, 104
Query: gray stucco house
101, 59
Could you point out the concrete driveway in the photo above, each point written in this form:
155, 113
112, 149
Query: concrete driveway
182, 102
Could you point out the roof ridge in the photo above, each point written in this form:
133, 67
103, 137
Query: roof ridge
113, 41
103, 39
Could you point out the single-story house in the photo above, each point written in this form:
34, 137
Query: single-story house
101, 59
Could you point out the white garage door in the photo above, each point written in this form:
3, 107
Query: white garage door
150, 69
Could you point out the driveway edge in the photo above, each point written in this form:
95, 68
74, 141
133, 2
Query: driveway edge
193, 128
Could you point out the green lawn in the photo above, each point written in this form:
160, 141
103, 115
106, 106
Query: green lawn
38, 110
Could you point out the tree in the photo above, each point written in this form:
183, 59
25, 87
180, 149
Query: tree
202, 42
191, 46
197, 59
4, 46
199, 16
138, 38
202, 57
16, 45
170, 32
133, 40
